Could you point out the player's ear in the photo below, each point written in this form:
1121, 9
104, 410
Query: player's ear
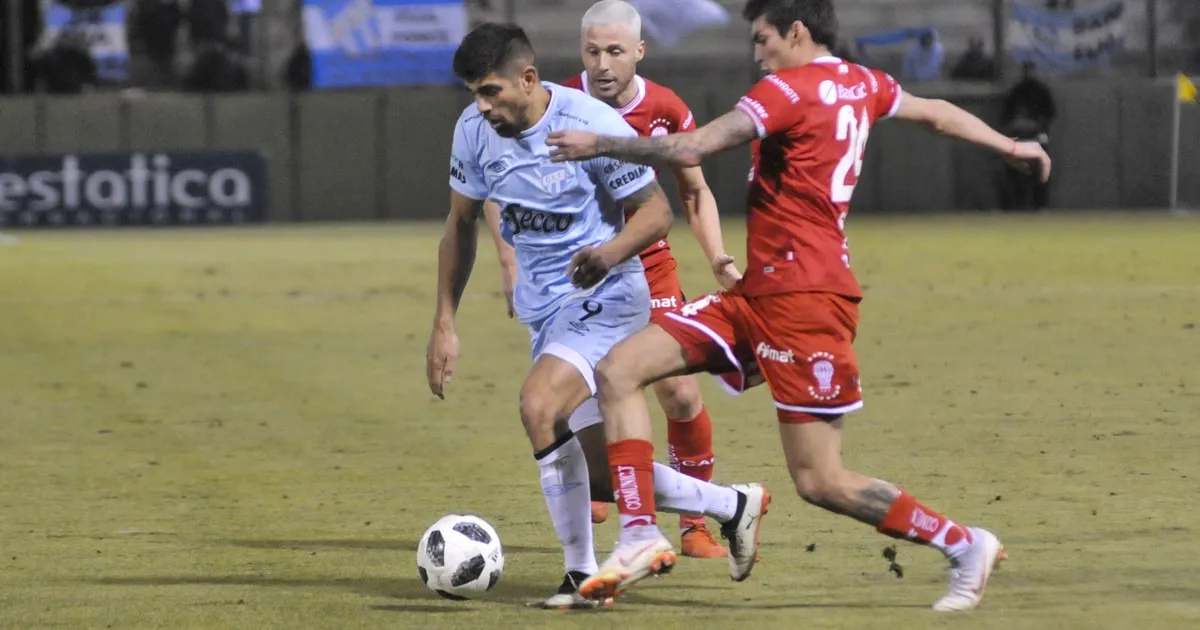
641, 51
797, 32
529, 78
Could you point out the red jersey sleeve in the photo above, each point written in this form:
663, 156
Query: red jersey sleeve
772, 105
887, 93
682, 114
573, 81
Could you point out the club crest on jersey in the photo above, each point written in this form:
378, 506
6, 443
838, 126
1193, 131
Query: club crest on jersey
822, 370
557, 178
658, 127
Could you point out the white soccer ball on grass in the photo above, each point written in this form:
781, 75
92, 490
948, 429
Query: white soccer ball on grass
460, 557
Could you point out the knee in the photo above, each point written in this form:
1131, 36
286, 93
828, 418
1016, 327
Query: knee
538, 411
679, 397
614, 378
820, 487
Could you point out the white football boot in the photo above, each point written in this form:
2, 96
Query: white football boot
742, 531
630, 563
969, 572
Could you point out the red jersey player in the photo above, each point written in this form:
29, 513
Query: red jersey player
611, 48
796, 311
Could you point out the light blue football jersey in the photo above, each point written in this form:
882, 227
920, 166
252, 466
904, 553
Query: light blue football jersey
548, 210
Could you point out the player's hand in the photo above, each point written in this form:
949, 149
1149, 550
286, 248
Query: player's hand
589, 266
1026, 155
508, 275
725, 271
440, 357
572, 145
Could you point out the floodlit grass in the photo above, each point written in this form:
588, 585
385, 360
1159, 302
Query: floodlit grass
231, 429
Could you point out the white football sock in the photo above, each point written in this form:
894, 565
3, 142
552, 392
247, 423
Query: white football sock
678, 493
569, 499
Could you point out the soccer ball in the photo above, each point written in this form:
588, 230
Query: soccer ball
460, 557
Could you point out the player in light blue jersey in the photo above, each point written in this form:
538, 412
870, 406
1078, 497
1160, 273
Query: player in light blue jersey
580, 288
548, 213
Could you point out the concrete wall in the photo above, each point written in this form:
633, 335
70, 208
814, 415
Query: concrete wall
383, 153
1189, 157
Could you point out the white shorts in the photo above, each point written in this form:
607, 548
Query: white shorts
585, 415
589, 323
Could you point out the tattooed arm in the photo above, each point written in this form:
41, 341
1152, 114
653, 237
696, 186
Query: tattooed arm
679, 149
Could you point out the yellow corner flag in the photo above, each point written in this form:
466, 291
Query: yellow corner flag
1187, 89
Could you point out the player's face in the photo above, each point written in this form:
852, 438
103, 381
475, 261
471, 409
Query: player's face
774, 52
504, 101
610, 55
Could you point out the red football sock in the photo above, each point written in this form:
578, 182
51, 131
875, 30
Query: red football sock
910, 520
632, 465
689, 450
689, 446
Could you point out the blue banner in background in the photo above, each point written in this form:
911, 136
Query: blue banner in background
383, 42
1067, 40
102, 29
245, 7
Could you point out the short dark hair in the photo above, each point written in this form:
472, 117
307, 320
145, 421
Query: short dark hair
817, 16
489, 48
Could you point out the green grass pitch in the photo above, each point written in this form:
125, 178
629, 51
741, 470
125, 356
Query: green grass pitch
231, 429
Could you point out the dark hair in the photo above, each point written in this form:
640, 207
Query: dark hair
817, 16
489, 48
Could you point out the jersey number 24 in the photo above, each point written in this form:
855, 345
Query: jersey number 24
852, 130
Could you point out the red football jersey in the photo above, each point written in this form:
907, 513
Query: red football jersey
813, 122
655, 110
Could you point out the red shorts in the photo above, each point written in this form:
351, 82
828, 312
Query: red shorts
665, 293
801, 343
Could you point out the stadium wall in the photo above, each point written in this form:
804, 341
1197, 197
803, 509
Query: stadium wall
360, 155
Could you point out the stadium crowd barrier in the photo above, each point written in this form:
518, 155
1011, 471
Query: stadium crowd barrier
383, 154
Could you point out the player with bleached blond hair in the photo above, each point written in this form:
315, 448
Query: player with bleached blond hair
611, 46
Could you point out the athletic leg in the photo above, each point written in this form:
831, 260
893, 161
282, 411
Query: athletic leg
689, 428
622, 376
553, 389
578, 335
689, 451
812, 446
674, 492
804, 345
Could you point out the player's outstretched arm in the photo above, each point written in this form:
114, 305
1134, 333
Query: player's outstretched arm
651, 221
678, 149
947, 119
700, 209
456, 257
504, 251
